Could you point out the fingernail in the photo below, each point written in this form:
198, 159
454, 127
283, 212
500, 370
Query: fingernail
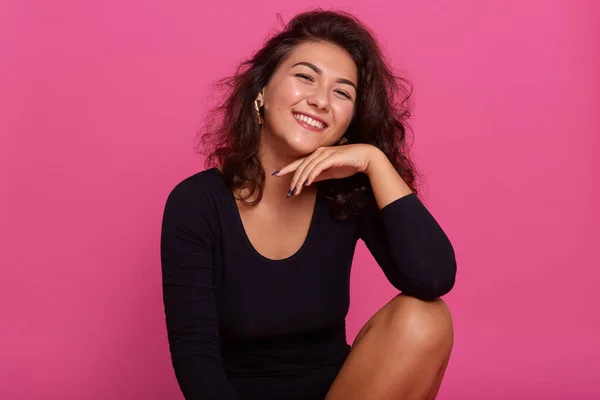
291, 192
275, 173
305, 182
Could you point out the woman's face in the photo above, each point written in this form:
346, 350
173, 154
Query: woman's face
309, 100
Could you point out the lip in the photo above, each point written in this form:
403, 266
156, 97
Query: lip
309, 127
321, 120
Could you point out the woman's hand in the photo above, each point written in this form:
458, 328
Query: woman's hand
334, 162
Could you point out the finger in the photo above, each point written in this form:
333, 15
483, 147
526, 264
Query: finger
296, 181
302, 179
288, 168
318, 169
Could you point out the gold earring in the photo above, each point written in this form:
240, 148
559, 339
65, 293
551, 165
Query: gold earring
257, 109
343, 140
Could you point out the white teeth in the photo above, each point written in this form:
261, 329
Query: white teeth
309, 121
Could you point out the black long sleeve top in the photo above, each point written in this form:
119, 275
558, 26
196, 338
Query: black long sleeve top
234, 315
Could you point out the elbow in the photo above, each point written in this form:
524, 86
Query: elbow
433, 286
432, 291
443, 278
440, 286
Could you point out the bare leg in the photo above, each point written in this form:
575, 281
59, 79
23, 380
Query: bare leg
437, 383
401, 353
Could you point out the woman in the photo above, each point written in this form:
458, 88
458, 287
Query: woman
310, 156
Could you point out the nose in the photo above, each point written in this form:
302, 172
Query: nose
319, 98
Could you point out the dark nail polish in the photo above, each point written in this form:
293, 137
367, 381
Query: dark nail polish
275, 173
292, 192
305, 182
289, 193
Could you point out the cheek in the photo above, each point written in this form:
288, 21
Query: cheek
286, 94
343, 114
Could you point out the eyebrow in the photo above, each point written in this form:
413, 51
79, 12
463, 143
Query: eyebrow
318, 71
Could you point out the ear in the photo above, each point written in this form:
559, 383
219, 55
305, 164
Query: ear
260, 97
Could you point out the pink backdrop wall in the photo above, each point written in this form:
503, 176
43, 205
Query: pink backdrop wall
99, 103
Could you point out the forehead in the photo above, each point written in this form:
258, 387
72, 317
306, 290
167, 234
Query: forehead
330, 58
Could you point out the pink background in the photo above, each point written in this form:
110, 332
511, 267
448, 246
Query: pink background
99, 104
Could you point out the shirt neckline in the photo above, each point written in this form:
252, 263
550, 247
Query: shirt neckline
240, 225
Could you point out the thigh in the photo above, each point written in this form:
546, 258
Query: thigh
381, 313
390, 346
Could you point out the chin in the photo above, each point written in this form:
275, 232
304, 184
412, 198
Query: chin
302, 147
298, 142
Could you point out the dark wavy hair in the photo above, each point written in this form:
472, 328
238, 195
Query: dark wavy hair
230, 136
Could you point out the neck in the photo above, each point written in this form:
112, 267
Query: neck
273, 156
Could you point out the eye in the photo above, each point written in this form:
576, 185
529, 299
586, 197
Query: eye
304, 76
346, 95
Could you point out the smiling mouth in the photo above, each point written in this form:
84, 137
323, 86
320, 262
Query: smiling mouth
308, 122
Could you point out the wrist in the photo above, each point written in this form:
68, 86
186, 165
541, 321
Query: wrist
375, 159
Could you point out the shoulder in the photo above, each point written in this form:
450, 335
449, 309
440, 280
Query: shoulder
195, 193
201, 184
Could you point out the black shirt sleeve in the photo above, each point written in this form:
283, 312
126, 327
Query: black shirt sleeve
189, 296
411, 248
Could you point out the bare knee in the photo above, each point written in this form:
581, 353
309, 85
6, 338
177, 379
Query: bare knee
423, 326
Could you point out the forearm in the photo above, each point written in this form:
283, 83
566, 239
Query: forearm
386, 183
410, 246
